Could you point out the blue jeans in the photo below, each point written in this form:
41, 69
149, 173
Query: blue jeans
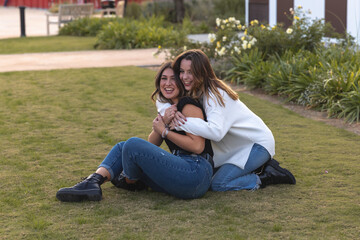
184, 176
230, 177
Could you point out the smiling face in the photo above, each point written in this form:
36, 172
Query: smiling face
186, 75
168, 86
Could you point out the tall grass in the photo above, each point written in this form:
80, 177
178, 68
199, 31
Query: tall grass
57, 126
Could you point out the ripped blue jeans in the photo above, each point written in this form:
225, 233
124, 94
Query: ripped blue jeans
183, 176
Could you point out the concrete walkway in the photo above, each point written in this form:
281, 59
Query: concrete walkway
80, 59
35, 22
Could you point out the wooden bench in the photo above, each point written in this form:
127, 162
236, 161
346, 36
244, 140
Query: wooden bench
67, 13
118, 11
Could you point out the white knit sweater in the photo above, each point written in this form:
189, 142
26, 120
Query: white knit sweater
232, 129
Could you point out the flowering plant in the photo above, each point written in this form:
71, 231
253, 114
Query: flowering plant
231, 37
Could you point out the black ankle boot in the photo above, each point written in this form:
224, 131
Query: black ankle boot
88, 189
274, 174
120, 182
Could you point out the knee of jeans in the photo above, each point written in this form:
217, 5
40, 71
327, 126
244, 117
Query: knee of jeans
132, 144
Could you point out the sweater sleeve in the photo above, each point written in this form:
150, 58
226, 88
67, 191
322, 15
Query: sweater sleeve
161, 107
216, 126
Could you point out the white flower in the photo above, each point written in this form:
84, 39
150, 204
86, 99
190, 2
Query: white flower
253, 41
237, 50
232, 19
224, 38
222, 51
289, 30
218, 22
211, 37
237, 22
244, 44
222, 27
185, 48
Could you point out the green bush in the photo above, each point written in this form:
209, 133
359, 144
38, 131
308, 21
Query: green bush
144, 33
84, 26
229, 8
208, 10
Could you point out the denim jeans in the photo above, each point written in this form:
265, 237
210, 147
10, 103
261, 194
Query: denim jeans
230, 177
184, 176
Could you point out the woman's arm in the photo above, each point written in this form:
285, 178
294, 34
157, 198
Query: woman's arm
188, 142
155, 138
216, 126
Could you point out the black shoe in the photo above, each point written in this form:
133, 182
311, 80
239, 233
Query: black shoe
120, 182
260, 170
274, 174
89, 189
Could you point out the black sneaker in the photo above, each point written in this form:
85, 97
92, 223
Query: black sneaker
120, 182
87, 190
274, 174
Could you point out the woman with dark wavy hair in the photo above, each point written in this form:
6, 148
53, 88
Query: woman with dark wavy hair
241, 141
136, 164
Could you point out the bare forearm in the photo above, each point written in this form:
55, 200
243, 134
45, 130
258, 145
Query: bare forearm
155, 138
187, 142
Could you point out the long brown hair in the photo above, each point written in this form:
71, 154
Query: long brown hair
205, 80
157, 95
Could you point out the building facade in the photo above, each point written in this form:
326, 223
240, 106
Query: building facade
344, 15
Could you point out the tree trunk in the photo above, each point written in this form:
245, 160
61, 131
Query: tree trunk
180, 10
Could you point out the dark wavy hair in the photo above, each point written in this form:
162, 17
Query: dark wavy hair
157, 95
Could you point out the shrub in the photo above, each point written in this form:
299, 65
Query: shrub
84, 26
208, 10
145, 33
347, 107
229, 8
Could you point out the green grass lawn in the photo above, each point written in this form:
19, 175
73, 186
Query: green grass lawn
46, 44
57, 126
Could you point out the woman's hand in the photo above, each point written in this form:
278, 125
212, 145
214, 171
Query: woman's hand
158, 125
169, 114
178, 119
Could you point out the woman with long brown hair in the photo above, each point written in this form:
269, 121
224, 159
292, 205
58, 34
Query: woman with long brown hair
241, 141
135, 164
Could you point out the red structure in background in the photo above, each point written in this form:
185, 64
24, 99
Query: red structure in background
47, 3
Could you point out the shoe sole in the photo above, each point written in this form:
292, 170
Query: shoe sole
79, 196
275, 164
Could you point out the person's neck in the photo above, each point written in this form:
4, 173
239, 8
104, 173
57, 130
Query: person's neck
175, 100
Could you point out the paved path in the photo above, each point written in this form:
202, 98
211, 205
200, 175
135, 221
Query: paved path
35, 21
80, 59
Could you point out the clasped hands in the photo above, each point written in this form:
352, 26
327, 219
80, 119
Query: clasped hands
171, 119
